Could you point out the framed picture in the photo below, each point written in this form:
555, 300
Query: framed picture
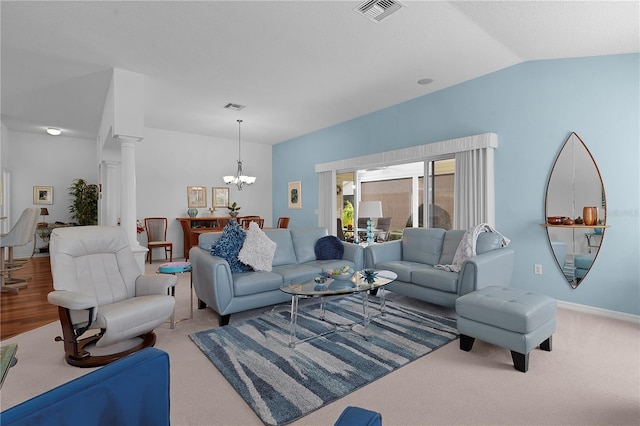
196, 196
219, 197
43, 195
295, 195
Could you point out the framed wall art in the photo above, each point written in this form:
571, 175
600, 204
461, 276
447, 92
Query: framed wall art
43, 195
219, 197
295, 195
196, 196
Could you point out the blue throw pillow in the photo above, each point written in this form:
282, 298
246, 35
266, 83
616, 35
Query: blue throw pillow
329, 247
229, 245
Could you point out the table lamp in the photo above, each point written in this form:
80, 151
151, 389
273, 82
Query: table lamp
370, 210
44, 212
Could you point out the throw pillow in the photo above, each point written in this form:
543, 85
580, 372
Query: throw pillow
229, 245
258, 249
329, 247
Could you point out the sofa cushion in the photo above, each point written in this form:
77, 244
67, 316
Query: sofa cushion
285, 254
252, 282
229, 245
402, 268
207, 240
450, 246
488, 241
297, 273
304, 242
329, 247
257, 250
436, 279
422, 245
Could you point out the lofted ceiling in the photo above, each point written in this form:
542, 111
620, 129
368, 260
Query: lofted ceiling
297, 66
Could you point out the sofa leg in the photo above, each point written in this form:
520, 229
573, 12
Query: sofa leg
546, 345
466, 342
520, 361
224, 319
201, 304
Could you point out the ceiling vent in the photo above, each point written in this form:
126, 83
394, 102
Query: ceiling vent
377, 10
234, 107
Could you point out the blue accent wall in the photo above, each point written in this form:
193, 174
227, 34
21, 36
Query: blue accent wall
532, 107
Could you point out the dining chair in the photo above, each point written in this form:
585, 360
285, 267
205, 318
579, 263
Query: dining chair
22, 233
283, 222
246, 220
156, 228
383, 225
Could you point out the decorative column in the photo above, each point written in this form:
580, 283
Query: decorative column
128, 196
111, 188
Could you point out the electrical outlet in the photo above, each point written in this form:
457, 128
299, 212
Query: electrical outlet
537, 269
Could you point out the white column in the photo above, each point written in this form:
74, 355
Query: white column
128, 196
111, 192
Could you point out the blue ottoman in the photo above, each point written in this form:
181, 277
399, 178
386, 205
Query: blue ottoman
518, 320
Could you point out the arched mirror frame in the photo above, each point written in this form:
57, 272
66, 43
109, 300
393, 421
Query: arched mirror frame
574, 252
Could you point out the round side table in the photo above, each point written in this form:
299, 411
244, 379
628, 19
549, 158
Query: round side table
177, 268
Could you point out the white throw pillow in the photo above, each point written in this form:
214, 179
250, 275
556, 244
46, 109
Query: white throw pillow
258, 249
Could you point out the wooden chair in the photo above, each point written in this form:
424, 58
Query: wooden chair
246, 220
156, 228
283, 222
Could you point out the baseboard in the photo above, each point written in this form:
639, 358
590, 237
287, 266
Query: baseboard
599, 312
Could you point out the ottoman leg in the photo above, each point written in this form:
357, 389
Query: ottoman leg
520, 361
546, 345
466, 342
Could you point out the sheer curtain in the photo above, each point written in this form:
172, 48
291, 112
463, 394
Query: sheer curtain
327, 200
474, 189
474, 182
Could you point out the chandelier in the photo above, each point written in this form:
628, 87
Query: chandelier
240, 179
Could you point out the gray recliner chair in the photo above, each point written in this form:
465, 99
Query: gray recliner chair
98, 286
21, 234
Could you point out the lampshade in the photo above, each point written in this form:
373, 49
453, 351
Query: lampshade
370, 209
44, 211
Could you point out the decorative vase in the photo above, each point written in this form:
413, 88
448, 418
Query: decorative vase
233, 214
590, 215
192, 212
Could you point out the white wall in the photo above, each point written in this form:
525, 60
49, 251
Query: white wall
43, 160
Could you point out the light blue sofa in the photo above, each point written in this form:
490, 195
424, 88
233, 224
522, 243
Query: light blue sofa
294, 262
414, 256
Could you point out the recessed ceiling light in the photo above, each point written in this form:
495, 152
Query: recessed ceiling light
53, 131
424, 81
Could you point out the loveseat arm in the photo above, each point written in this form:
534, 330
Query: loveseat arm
383, 252
492, 268
355, 254
148, 284
212, 279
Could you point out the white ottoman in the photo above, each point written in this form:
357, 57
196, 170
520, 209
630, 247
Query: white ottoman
515, 319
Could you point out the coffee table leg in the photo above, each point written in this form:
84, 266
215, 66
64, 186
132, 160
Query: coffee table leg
383, 301
294, 321
323, 305
365, 312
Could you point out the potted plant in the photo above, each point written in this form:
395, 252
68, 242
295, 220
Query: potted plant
233, 209
84, 205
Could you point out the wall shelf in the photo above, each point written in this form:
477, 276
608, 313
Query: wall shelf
546, 225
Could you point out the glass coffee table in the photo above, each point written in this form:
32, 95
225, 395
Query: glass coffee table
358, 283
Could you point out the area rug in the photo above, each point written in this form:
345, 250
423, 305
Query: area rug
282, 384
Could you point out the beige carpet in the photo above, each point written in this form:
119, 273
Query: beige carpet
592, 376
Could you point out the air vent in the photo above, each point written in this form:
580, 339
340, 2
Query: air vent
377, 10
234, 107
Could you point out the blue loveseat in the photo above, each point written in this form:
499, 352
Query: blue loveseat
414, 256
294, 262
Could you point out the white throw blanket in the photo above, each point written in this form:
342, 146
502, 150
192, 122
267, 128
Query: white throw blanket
467, 246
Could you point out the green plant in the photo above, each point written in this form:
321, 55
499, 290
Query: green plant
234, 207
84, 205
347, 214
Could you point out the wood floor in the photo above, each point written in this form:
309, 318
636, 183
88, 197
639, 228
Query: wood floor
29, 308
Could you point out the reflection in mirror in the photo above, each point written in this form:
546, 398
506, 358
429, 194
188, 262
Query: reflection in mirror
575, 184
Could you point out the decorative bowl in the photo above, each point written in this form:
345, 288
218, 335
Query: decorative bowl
555, 220
342, 277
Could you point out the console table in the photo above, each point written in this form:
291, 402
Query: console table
209, 224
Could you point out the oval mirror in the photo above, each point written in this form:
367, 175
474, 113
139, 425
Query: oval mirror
575, 210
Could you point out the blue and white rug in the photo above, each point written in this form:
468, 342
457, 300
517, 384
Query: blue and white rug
282, 384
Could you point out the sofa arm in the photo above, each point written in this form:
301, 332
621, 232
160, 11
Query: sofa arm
355, 254
212, 279
383, 252
490, 268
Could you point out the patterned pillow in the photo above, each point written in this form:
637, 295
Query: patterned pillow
329, 247
229, 245
258, 249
